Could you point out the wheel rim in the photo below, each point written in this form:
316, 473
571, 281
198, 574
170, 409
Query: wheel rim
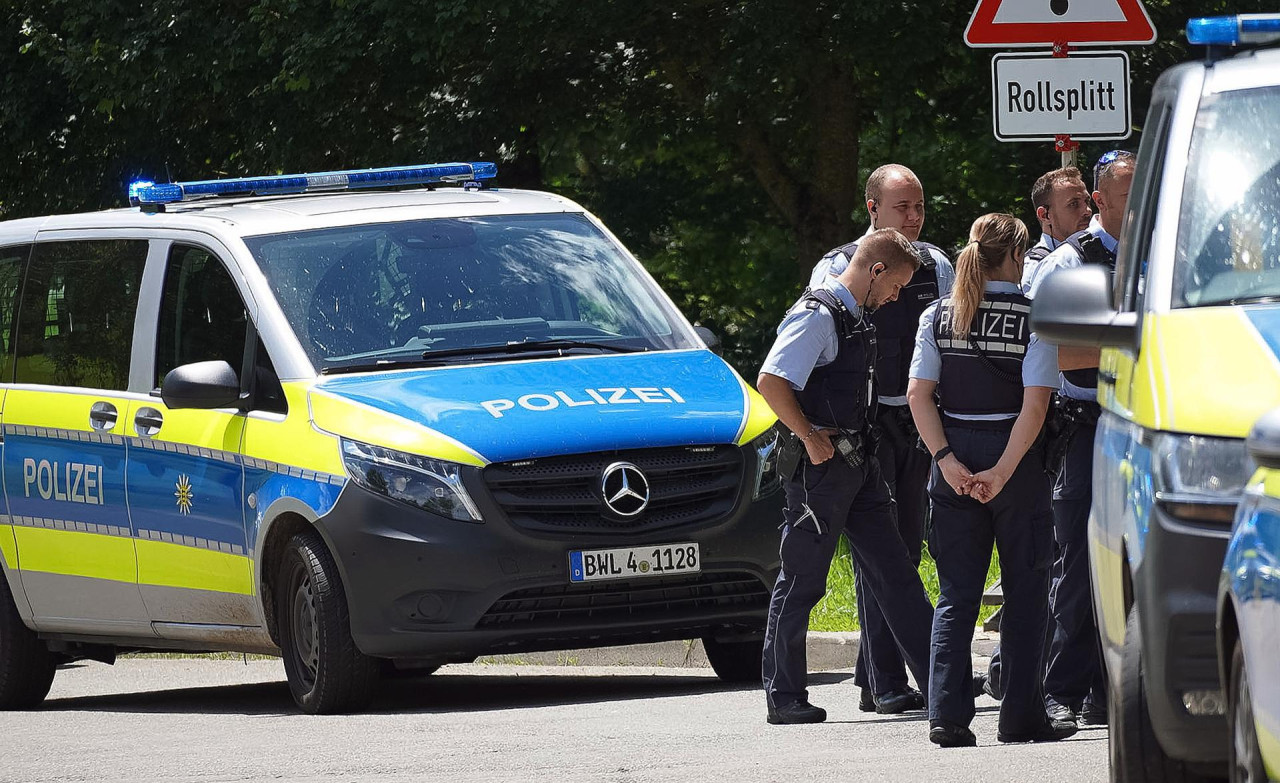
306, 631
1244, 740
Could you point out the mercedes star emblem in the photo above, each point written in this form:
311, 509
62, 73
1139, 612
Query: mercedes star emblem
625, 489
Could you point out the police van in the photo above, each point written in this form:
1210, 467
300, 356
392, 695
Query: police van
1190, 327
366, 431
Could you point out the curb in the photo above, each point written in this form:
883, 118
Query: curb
825, 651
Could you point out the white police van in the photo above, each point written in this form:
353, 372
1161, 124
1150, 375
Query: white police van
367, 431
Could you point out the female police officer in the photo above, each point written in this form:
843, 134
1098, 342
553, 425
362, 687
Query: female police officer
993, 379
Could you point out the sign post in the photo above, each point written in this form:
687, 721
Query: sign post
1051, 96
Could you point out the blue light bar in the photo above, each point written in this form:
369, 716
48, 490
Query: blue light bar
1234, 30
143, 192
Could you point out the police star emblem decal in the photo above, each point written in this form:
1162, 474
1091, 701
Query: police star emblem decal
183, 494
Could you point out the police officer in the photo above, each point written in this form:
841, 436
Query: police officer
894, 199
988, 485
819, 378
1075, 680
1062, 207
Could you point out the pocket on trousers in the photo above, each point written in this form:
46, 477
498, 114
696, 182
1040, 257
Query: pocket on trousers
1042, 544
802, 550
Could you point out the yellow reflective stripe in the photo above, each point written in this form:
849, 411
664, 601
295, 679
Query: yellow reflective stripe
1268, 745
76, 554
1270, 482
59, 409
293, 441
378, 428
1210, 372
8, 546
760, 416
174, 565
1109, 571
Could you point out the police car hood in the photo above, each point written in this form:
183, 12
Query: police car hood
538, 408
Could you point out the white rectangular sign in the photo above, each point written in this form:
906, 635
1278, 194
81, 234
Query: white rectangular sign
1038, 96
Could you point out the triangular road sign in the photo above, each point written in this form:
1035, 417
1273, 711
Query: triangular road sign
1008, 23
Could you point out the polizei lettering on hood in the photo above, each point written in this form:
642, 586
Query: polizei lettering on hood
547, 401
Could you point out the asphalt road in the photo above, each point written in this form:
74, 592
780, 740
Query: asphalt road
205, 720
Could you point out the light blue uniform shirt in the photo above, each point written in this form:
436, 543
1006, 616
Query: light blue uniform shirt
807, 338
1065, 257
1039, 364
1048, 243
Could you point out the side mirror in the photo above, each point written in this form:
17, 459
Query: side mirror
1264, 440
1073, 307
709, 339
201, 385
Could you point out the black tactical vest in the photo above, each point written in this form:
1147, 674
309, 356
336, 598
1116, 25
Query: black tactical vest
896, 324
841, 394
1091, 251
983, 373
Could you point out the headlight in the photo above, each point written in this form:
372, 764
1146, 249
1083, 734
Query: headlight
1200, 478
766, 446
430, 484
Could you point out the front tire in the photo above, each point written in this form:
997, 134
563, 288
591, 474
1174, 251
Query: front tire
1244, 756
26, 665
327, 673
735, 661
1136, 754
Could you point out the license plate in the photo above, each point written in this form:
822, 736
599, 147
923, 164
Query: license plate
589, 565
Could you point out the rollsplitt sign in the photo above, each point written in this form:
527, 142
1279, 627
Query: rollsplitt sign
1037, 97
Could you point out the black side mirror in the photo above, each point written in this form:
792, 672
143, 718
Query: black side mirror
1073, 307
709, 339
1264, 440
201, 385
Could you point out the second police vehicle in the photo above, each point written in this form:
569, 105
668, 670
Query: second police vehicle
1190, 327
368, 431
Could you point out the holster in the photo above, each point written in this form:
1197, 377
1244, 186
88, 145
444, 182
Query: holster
1065, 417
790, 452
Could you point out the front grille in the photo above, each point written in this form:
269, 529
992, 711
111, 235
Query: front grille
656, 600
688, 485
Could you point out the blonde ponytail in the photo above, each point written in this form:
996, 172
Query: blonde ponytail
991, 239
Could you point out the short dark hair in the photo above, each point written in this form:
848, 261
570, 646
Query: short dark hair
1042, 191
886, 246
875, 182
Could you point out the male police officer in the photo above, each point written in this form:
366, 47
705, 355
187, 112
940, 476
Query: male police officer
1062, 207
1075, 680
895, 199
819, 378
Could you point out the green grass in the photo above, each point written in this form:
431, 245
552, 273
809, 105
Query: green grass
838, 609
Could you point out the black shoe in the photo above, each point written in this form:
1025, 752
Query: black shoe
950, 735
799, 711
981, 684
1051, 731
1093, 715
866, 702
1059, 711
895, 702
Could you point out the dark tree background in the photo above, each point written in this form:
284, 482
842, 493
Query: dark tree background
725, 142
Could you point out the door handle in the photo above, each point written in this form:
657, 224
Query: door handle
102, 416
148, 421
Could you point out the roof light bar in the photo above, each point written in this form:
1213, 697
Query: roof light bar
1234, 30
143, 192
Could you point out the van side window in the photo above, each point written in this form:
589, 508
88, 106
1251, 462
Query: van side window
202, 316
12, 263
268, 394
75, 321
1140, 220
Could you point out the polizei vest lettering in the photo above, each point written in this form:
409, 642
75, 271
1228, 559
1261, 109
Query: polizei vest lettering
616, 395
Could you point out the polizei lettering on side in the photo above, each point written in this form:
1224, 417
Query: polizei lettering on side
74, 482
546, 401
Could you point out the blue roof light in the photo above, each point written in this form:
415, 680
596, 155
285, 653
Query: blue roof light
1234, 30
144, 192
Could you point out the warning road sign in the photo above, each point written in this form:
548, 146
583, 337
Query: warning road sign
1013, 23
1038, 97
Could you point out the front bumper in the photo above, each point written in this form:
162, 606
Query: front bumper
428, 588
1176, 593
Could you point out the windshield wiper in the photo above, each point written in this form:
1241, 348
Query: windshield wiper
529, 346
1243, 300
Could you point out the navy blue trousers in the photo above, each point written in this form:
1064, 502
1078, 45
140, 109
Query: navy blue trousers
1075, 673
824, 501
906, 470
1019, 523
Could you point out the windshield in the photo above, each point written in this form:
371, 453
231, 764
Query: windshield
1229, 235
391, 293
